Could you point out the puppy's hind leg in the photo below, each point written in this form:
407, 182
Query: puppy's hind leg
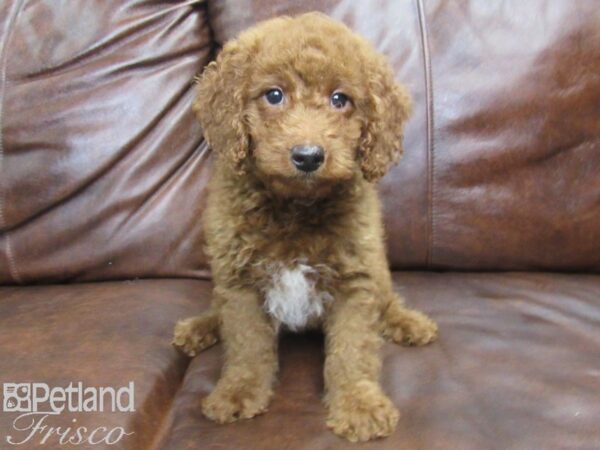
407, 326
194, 334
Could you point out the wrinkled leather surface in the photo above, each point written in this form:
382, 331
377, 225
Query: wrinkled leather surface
517, 366
103, 165
102, 334
516, 148
508, 177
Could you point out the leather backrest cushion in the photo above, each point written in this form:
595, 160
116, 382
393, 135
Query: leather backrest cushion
102, 164
103, 167
502, 155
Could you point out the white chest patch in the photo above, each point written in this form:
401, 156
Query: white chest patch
292, 297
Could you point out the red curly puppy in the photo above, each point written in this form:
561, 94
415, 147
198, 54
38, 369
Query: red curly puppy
303, 116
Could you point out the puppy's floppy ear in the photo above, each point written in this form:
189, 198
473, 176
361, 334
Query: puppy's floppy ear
220, 104
388, 106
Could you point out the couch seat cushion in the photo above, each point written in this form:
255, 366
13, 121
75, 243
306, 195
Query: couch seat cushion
102, 335
517, 366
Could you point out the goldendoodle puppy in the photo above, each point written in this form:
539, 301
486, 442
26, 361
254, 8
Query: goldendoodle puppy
303, 116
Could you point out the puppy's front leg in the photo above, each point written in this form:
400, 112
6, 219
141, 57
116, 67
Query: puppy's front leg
250, 341
358, 408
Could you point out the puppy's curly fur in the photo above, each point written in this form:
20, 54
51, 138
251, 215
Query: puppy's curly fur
269, 224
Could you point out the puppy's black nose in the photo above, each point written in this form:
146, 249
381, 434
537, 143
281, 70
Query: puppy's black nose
307, 158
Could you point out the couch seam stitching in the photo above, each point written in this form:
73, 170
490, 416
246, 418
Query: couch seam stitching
429, 130
12, 266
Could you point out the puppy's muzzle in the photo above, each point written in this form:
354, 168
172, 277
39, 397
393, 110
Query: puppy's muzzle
307, 158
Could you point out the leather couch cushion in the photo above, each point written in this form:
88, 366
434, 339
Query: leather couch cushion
516, 367
502, 153
103, 335
102, 164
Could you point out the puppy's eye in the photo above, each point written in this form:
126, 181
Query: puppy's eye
339, 100
274, 96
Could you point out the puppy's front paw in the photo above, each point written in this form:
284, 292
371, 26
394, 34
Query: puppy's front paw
228, 402
410, 327
195, 334
362, 413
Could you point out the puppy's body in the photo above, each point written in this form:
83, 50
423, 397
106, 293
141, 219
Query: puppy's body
332, 242
294, 245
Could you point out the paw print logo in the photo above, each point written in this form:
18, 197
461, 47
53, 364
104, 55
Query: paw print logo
17, 397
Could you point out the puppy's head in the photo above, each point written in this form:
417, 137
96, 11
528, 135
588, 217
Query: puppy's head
304, 104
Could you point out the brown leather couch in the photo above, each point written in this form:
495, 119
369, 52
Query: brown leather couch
493, 221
